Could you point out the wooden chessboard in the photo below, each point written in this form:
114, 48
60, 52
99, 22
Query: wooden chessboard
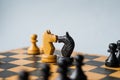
12, 62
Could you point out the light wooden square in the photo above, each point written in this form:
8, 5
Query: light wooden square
94, 76
21, 62
19, 68
116, 74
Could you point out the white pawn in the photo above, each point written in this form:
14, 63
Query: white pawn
33, 49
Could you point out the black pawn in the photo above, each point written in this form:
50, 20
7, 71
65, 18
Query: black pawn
62, 64
23, 75
78, 74
69, 60
112, 61
45, 71
118, 48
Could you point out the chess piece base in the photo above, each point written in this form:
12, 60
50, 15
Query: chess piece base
108, 64
48, 58
33, 52
112, 61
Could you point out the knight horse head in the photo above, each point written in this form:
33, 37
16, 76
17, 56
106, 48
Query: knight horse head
47, 42
69, 44
49, 36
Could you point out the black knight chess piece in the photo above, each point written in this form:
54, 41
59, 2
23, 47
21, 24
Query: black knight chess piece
118, 48
69, 44
78, 74
68, 47
112, 61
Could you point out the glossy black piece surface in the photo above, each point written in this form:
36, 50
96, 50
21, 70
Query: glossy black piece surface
69, 44
23, 75
68, 60
118, 48
63, 68
112, 61
45, 71
78, 72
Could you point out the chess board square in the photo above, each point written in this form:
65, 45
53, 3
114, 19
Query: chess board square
15, 77
95, 63
85, 67
20, 56
94, 76
102, 70
33, 58
7, 65
21, 62
7, 54
1, 56
110, 78
101, 59
36, 72
86, 60
116, 74
34, 65
88, 67
90, 56
34, 78
1, 69
5, 74
19, 68
1, 78
8, 59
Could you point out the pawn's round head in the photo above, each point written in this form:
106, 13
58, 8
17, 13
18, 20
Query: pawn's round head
112, 46
62, 62
23, 75
79, 58
34, 36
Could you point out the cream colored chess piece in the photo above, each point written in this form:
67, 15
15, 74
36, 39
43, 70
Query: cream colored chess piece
33, 49
47, 47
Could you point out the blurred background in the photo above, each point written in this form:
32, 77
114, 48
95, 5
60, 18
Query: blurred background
93, 24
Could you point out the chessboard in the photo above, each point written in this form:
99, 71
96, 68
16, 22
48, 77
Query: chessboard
13, 61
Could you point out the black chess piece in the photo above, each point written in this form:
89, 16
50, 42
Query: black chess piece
69, 60
45, 68
118, 48
78, 74
23, 75
69, 44
68, 47
112, 61
63, 68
